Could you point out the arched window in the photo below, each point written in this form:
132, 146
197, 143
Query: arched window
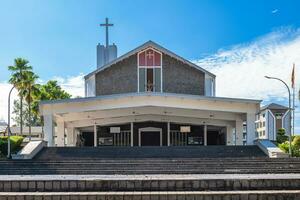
149, 71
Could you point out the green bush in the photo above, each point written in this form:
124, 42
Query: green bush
285, 147
15, 144
281, 137
296, 141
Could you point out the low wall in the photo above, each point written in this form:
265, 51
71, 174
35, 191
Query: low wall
148, 185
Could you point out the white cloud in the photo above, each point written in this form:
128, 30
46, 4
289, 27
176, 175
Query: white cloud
241, 69
74, 85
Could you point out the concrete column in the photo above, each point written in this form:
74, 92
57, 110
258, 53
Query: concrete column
95, 135
250, 128
76, 133
205, 135
229, 135
239, 132
48, 130
168, 134
71, 136
131, 134
60, 137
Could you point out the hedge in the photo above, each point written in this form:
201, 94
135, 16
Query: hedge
15, 144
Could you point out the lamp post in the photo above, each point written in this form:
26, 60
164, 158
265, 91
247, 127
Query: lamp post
290, 128
8, 124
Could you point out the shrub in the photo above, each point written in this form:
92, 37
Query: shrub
296, 141
15, 144
281, 137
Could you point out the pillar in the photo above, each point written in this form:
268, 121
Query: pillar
95, 135
71, 136
131, 134
250, 128
239, 132
205, 135
168, 134
230, 135
60, 137
48, 130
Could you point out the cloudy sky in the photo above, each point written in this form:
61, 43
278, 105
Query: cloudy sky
240, 42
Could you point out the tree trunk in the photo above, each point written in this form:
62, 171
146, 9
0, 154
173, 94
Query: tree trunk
29, 115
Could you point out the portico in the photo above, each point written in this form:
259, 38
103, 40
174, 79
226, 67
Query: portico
150, 119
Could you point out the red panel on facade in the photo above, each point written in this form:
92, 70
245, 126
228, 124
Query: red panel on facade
149, 57
157, 59
142, 60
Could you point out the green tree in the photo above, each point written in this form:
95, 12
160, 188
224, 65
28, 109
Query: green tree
52, 91
281, 137
49, 91
18, 70
29, 93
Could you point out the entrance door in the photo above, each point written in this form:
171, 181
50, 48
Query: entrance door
88, 138
150, 136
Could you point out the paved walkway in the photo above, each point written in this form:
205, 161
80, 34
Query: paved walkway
148, 177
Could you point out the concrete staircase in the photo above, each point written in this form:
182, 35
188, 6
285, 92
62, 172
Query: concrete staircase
151, 160
150, 173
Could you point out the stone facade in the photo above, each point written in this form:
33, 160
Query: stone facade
178, 77
181, 78
118, 78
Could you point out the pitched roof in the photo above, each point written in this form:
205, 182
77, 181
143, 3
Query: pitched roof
274, 106
144, 46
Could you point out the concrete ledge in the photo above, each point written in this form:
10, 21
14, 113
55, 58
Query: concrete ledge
29, 150
270, 149
172, 195
167, 183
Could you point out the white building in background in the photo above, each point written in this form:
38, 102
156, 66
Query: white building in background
271, 118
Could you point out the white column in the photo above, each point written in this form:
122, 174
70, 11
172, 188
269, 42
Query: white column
229, 135
95, 135
205, 135
48, 130
168, 133
71, 136
250, 128
60, 137
131, 134
239, 132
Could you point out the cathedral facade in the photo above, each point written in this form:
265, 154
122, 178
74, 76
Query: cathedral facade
149, 97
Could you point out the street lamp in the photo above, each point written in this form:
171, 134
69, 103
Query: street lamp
290, 128
8, 124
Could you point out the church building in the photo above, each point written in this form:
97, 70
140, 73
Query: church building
149, 96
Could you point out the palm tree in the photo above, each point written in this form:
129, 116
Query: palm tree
29, 92
18, 70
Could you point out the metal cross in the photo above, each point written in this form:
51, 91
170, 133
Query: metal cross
106, 29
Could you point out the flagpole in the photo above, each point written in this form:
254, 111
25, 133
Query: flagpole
294, 111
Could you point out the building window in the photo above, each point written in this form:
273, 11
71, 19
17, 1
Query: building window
264, 123
149, 71
278, 115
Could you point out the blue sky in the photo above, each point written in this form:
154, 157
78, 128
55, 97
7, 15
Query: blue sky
239, 41
59, 37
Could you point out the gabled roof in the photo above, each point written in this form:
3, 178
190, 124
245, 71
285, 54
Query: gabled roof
144, 46
274, 106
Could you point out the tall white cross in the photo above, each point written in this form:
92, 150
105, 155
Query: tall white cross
106, 29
